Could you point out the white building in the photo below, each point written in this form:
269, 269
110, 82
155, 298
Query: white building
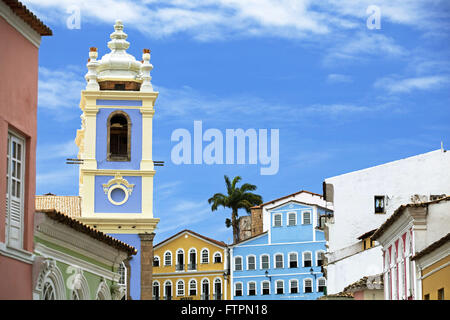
363, 200
410, 229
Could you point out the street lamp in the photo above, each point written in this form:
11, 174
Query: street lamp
267, 275
312, 272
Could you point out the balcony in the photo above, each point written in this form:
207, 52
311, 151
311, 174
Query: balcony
218, 296
167, 297
179, 267
192, 266
205, 296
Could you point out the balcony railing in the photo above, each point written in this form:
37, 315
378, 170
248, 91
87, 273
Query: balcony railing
192, 266
205, 296
155, 297
218, 296
167, 297
179, 267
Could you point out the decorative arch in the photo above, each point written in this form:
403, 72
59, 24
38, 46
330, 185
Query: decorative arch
103, 292
80, 287
50, 278
118, 136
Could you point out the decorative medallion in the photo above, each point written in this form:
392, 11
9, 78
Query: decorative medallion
118, 190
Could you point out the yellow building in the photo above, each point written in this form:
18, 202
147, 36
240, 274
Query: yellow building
434, 265
189, 266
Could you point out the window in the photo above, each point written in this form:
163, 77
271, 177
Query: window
426, 297
217, 289
279, 285
168, 290
307, 259
380, 204
238, 264
168, 258
217, 257
307, 217
320, 256
156, 261
180, 260
205, 289
155, 290
180, 288
265, 287
265, 261
321, 285
192, 287
293, 286
192, 259
441, 294
251, 263
119, 136
307, 285
238, 289
123, 274
278, 261
205, 256
15, 174
252, 288
293, 260
292, 219
277, 220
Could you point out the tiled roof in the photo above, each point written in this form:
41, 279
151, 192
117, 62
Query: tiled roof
219, 243
397, 214
367, 234
432, 247
26, 15
337, 295
68, 205
364, 283
92, 232
288, 196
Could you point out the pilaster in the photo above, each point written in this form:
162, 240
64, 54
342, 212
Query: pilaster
146, 265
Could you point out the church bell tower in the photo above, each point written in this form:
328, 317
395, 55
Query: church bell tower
115, 151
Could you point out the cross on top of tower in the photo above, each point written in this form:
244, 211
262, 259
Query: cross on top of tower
118, 70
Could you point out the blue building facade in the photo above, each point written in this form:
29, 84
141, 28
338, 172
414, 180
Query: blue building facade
285, 261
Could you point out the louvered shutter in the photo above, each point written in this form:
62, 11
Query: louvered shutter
14, 194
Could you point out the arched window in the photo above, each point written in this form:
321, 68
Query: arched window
192, 259
251, 287
321, 284
238, 289
238, 263
279, 261
217, 289
205, 289
319, 258
293, 260
307, 259
306, 217
205, 256
193, 287
168, 258
265, 287
119, 137
307, 286
279, 286
277, 220
292, 219
265, 261
180, 288
168, 290
180, 260
155, 290
217, 257
293, 286
251, 262
50, 283
156, 261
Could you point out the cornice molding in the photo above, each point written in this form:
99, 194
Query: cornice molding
112, 172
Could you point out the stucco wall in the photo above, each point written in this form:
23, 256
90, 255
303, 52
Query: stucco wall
437, 280
18, 107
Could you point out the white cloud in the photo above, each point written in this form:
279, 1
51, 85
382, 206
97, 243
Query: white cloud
62, 150
406, 85
339, 78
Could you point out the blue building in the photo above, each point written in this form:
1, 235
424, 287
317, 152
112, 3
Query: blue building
284, 261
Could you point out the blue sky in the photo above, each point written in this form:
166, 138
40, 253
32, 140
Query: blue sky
343, 97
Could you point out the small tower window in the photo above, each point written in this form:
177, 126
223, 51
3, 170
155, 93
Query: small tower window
119, 137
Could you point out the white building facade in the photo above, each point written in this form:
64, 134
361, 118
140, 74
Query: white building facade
363, 200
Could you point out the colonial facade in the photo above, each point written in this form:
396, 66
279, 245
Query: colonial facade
285, 260
76, 262
412, 228
365, 199
20, 33
190, 266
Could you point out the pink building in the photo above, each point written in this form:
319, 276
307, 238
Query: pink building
20, 33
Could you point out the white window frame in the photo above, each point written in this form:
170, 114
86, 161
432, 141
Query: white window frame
234, 263
290, 285
310, 217
180, 281
201, 256
248, 288
289, 214
276, 286
171, 288
289, 259
317, 257
159, 261
17, 243
262, 287
303, 259
159, 288
275, 260
189, 258
318, 281
304, 285
261, 262
214, 257
248, 263
235, 289
165, 260
281, 220
194, 281
217, 280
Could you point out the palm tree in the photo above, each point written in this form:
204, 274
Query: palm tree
237, 198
